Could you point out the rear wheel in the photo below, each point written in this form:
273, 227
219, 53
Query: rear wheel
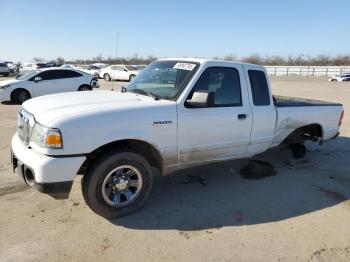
84, 88
131, 77
117, 184
107, 77
19, 96
298, 150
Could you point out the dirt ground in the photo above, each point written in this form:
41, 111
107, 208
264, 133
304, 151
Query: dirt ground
210, 213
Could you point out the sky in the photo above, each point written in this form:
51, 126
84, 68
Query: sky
77, 29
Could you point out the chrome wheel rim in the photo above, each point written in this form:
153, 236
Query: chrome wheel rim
107, 77
121, 186
22, 97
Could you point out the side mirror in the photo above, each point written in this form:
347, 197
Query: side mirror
201, 99
37, 79
125, 70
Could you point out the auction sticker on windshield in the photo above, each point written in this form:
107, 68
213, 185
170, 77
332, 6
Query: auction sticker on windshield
184, 66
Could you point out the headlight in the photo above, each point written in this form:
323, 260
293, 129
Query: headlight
3, 87
46, 137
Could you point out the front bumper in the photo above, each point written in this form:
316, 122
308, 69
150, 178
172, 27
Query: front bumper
5, 95
47, 174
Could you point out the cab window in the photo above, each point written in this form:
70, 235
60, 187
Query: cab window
259, 87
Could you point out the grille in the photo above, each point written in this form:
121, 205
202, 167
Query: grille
25, 122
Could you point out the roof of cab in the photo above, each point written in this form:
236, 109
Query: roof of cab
203, 60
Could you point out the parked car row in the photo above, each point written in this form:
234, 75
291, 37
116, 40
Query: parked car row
340, 78
46, 81
37, 79
29, 67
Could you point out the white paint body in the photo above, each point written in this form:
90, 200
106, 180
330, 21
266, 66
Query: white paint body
117, 72
45, 87
340, 78
89, 120
26, 68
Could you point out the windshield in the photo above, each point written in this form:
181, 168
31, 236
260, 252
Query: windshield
27, 75
164, 79
131, 68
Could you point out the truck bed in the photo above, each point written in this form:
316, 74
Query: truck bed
285, 101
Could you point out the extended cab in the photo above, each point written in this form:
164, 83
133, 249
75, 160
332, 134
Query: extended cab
176, 113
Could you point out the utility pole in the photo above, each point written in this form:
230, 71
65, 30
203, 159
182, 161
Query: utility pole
116, 47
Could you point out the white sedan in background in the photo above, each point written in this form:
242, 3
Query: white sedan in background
119, 72
26, 68
44, 82
342, 77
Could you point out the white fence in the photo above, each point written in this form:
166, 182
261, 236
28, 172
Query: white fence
307, 70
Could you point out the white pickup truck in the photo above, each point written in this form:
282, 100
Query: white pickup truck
175, 114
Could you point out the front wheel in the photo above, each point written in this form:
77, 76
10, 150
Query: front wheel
118, 184
19, 96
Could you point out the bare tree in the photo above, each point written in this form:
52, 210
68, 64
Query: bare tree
253, 59
60, 60
230, 57
38, 59
298, 60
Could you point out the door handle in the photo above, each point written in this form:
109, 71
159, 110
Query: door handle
242, 116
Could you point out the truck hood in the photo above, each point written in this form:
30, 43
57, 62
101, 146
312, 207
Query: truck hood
95, 104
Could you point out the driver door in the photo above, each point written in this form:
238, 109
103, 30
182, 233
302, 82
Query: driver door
47, 84
122, 73
221, 131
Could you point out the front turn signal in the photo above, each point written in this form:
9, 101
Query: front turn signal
54, 139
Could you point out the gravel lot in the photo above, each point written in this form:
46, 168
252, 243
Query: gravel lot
204, 214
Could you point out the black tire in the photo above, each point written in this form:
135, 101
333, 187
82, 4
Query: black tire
298, 150
7, 75
334, 80
93, 181
131, 77
107, 77
19, 96
84, 88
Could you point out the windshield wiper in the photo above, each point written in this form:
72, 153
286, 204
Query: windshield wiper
144, 92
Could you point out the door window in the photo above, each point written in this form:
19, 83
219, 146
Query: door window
67, 74
46, 75
224, 83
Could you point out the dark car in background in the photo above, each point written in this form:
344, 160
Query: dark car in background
4, 69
